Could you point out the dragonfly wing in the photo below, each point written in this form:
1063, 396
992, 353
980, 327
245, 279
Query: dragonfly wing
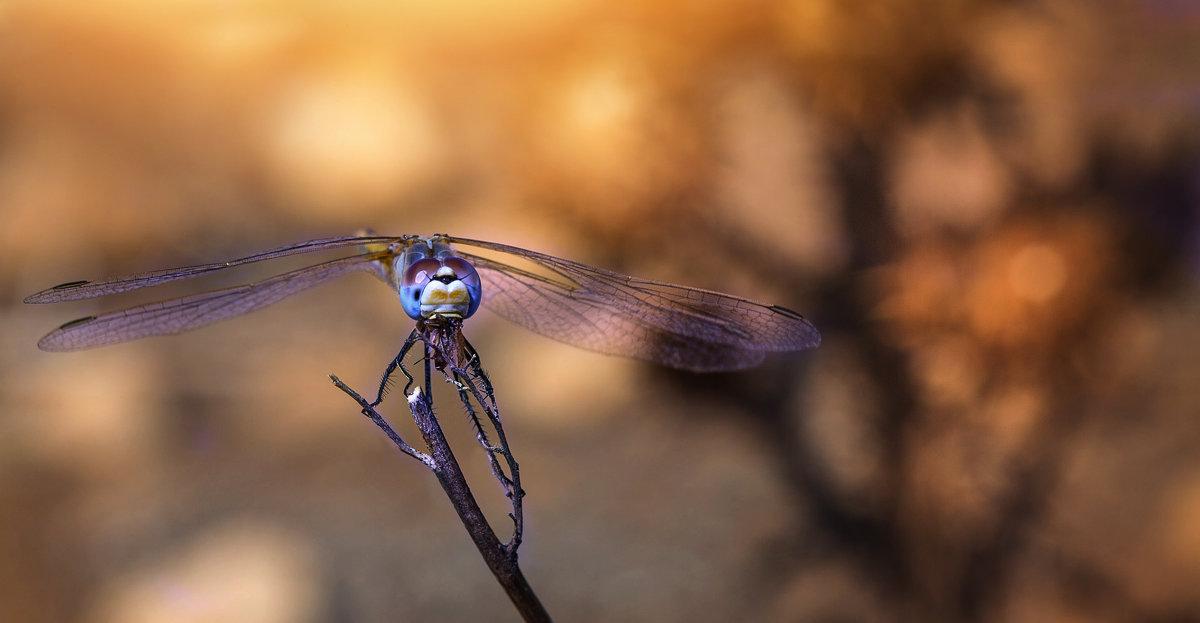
77, 290
557, 312
189, 312
617, 314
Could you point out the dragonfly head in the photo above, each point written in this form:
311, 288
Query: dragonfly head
439, 287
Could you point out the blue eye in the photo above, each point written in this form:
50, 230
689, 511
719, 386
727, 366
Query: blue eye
416, 277
466, 274
420, 272
463, 270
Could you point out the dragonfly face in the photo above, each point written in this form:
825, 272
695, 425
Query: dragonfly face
433, 282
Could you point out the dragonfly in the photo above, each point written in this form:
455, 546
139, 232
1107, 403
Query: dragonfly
444, 277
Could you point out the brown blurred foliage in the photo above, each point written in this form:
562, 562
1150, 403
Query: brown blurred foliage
990, 209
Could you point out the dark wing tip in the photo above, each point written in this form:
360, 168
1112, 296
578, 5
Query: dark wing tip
76, 322
809, 336
784, 311
70, 284
47, 295
52, 341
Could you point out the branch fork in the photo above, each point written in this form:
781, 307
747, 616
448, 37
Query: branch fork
460, 365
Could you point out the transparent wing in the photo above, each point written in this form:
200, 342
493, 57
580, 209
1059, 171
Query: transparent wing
183, 314
609, 312
77, 290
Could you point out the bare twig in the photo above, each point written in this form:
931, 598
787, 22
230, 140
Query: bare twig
500, 558
370, 412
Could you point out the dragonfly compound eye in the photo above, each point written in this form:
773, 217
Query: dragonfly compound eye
416, 276
420, 272
463, 270
465, 273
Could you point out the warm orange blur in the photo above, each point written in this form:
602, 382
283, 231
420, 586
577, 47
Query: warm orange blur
991, 210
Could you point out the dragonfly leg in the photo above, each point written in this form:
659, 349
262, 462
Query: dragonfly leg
393, 365
476, 367
481, 387
480, 431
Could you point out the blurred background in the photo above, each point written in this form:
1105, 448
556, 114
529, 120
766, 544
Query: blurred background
990, 208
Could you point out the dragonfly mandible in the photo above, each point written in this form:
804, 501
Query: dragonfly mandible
444, 276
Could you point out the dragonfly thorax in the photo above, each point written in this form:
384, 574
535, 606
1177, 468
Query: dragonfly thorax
442, 286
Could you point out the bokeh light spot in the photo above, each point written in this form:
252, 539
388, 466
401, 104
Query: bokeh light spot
1037, 273
347, 140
